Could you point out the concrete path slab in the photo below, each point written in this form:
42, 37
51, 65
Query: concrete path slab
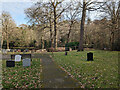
54, 77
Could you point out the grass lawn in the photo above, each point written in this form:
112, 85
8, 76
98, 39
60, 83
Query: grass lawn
22, 77
100, 73
0, 74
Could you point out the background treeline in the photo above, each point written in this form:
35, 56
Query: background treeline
58, 24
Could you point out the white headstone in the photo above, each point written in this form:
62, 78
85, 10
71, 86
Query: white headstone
17, 58
26, 62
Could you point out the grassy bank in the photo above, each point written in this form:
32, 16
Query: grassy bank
22, 77
100, 73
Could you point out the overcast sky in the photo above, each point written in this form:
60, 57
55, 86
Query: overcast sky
16, 9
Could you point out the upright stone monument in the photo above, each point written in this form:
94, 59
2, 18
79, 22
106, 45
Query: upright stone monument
90, 56
26, 62
66, 53
17, 58
10, 63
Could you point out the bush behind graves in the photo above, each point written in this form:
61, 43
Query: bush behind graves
73, 45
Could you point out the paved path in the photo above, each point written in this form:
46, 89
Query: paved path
54, 77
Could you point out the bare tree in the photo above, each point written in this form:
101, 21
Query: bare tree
37, 15
7, 26
1, 37
90, 5
72, 14
111, 9
58, 9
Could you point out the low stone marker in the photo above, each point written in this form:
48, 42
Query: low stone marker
66, 53
17, 58
26, 62
10, 63
90, 56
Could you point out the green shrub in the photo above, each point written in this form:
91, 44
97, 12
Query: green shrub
73, 45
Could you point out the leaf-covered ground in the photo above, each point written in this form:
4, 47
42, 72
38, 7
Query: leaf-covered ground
0, 74
100, 73
22, 77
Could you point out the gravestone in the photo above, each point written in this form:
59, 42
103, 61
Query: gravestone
23, 56
90, 56
10, 63
26, 62
4, 51
66, 53
17, 58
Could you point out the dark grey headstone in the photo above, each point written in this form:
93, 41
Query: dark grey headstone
66, 53
90, 56
10, 63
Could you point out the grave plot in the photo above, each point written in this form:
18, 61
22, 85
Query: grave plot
20, 77
26, 62
22, 59
102, 72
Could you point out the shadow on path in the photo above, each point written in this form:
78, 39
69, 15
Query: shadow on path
53, 76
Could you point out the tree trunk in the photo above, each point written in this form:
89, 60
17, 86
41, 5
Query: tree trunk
68, 36
112, 41
55, 30
51, 33
80, 48
1, 41
7, 44
42, 42
7, 37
